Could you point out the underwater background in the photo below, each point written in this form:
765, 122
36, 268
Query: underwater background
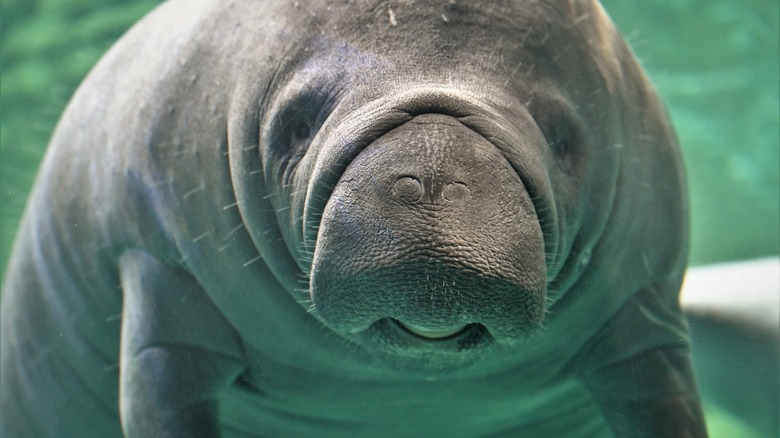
715, 63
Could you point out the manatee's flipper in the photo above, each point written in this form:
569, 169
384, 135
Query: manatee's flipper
638, 370
178, 352
650, 395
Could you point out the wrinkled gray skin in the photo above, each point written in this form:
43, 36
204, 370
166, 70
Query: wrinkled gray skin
297, 218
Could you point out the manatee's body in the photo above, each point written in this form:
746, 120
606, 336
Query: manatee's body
393, 218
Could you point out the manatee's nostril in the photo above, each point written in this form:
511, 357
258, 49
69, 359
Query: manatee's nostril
456, 191
408, 189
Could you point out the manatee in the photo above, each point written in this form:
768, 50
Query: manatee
355, 219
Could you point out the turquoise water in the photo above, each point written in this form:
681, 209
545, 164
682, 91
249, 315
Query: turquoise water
716, 64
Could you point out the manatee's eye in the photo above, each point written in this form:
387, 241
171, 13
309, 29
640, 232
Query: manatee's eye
294, 130
563, 133
560, 134
294, 119
300, 133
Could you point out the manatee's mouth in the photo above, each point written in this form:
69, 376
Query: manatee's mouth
393, 335
430, 352
432, 334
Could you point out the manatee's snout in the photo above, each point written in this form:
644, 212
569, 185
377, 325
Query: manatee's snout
432, 228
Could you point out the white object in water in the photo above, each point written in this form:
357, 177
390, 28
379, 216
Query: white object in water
746, 291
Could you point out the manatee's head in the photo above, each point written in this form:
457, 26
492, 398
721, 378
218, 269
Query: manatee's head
432, 169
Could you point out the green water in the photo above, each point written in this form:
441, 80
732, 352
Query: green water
716, 64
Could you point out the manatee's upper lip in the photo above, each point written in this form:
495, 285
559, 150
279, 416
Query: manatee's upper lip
375, 119
432, 334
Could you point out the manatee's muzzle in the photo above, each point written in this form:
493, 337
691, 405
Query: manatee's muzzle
431, 227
